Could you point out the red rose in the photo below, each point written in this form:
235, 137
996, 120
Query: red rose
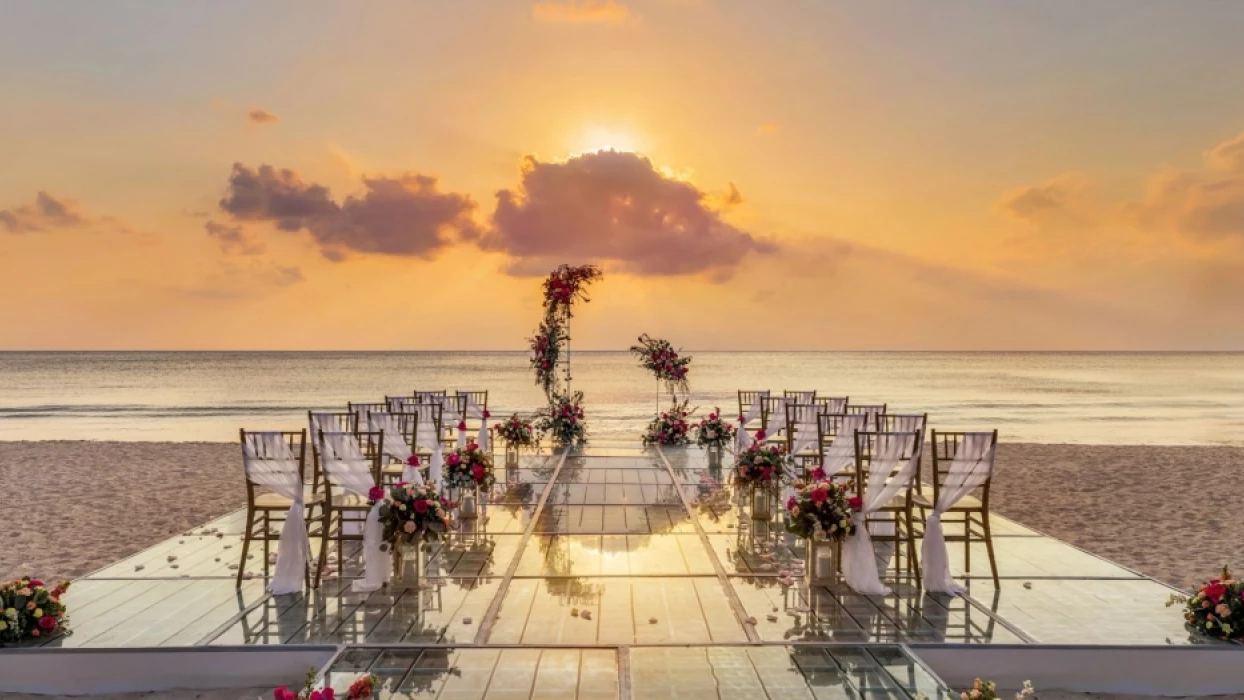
421, 506
478, 472
35, 582
760, 435
284, 693
1214, 590
819, 496
413, 460
790, 503
47, 622
855, 502
325, 694
461, 425
487, 414
818, 474
375, 493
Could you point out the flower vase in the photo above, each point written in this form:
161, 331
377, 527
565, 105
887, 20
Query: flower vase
468, 509
821, 564
762, 502
714, 456
408, 564
511, 456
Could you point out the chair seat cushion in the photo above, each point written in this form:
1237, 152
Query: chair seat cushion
968, 502
276, 500
350, 500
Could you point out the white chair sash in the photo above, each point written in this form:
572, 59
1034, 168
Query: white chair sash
323, 420
395, 444
804, 397
742, 440
427, 437
346, 467
475, 410
889, 472
836, 405
840, 454
268, 461
804, 429
970, 467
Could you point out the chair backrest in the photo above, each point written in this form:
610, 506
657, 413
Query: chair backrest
427, 414
478, 398
429, 396
361, 410
800, 396
399, 428
349, 459
802, 426
453, 408
870, 445
871, 410
400, 403
833, 404
945, 448
903, 423
747, 399
259, 444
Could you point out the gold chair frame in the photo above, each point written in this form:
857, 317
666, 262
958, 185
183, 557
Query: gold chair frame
971, 512
338, 505
261, 507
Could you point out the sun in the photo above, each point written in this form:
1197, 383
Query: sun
601, 138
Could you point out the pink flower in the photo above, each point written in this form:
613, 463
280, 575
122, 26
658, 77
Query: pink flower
35, 582
421, 506
325, 694
478, 472
818, 473
487, 414
413, 460
375, 493
284, 693
453, 458
790, 503
1214, 590
855, 502
409, 526
47, 622
760, 435
471, 446
819, 496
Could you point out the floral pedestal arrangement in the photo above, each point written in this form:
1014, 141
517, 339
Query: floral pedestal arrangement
563, 420
411, 514
821, 513
29, 609
714, 434
516, 433
761, 469
468, 472
1215, 609
670, 427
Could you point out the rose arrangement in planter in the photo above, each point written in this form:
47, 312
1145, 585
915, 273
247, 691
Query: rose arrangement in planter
821, 507
468, 468
412, 511
516, 432
761, 464
988, 690
563, 419
28, 608
670, 428
659, 357
1215, 608
714, 431
362, 688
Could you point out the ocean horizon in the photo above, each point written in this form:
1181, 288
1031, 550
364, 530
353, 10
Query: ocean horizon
1088, 397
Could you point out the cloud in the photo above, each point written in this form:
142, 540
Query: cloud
234, 239
1061, 199
1207, 203
615, 207
243, 280
733, 197
404, 215
44, 214
1229, 154
261, 117
580, 11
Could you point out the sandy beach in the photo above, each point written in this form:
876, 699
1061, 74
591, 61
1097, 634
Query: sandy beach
1155, 509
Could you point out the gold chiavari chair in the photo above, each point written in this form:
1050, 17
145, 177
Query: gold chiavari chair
804, 397
341, 507
803, 441
331, 421
408, 424
453, 415
908, 423
836, 436
360, 410
971, 512
266, 511
897, 514
427, 414
872, 410
747, 399
773, 418
399, 403
833, 404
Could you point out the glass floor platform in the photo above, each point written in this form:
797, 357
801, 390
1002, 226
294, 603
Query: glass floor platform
614, 549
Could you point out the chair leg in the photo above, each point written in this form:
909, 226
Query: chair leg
912, 560
993, 562
267, 528
326, 515
248, 533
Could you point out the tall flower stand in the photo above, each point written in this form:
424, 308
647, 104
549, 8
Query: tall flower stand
821, 562
408, 564
511, 456
714, 456
762, 502
468, 502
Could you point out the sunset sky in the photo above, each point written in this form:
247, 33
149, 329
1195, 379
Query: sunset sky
807, 175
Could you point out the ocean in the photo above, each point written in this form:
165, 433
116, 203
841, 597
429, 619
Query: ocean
1095, 398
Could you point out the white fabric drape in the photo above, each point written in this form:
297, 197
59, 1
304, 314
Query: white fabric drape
971, 466
836, 405
323, 420
268, 461
804, 397
742, 440
840, 453
428, 438
395, 444
347, 468
475, 410
805, 427
402, 404
890, 471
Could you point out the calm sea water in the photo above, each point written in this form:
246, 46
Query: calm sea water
1105, 398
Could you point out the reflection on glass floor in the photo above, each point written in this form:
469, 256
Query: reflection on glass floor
846, 672
611, 546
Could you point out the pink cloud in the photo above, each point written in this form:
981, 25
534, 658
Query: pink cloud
44, 214
615, 207
405, 215
234, 239
580, 11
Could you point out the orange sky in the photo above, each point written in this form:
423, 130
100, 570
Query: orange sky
794, 175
